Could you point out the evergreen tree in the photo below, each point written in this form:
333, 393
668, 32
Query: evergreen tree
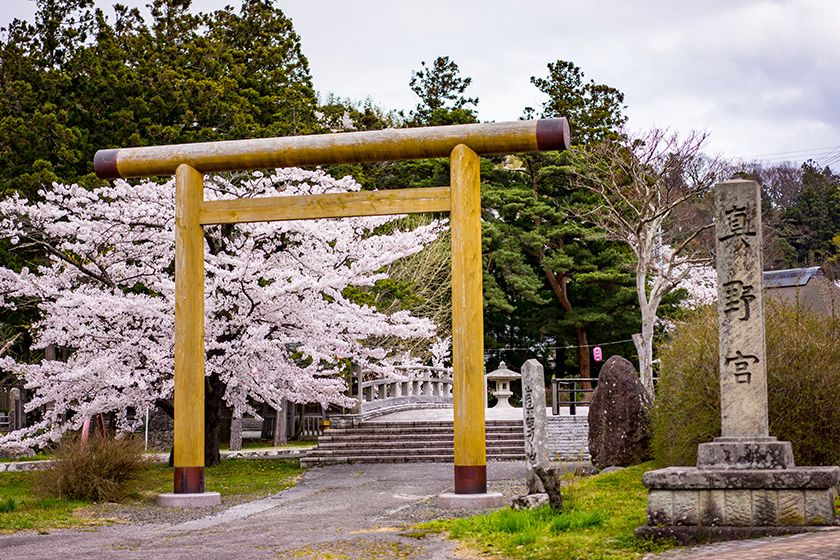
542, 258
814, 217
594, 110
441, 89
75, 82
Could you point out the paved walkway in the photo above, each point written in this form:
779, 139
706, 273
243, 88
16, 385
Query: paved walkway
352, 512
823, 545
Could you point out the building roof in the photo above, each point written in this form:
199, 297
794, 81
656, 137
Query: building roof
791, 277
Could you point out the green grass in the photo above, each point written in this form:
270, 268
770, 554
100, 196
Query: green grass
39, 457
33, 512
239, 478
600, 515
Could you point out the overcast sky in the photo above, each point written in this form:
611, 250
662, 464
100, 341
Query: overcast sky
761, 76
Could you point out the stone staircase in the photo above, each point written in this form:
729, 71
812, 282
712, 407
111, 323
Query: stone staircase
409, 442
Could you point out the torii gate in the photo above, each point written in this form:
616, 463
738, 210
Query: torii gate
462, 143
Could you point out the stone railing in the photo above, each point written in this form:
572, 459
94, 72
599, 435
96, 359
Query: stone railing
421, 385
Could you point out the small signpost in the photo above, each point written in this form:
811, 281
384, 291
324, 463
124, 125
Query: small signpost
534, 420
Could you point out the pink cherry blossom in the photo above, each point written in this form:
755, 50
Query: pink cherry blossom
276, 319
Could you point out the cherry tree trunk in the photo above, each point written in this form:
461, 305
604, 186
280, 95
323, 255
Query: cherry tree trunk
214, 410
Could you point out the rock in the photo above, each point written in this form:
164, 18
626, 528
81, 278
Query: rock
531, 501
611, 469
619, 417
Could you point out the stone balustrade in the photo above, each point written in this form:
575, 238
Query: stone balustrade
419, 385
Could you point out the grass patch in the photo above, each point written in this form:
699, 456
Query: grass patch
238, 477
601, 513
33, 512
7, 505
104, 470
233, 478
37, 457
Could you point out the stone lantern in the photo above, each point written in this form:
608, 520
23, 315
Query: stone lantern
502, 377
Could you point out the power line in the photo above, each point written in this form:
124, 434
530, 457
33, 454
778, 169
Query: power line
536, 346
808, 150
832, 157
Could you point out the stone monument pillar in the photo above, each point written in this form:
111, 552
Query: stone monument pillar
744, 441
534, 420
745, 483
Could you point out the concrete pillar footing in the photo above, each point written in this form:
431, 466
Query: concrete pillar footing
204, 499
488, 500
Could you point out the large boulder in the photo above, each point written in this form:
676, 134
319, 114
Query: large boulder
619, 417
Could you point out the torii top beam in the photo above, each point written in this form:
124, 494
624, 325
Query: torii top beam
348, 147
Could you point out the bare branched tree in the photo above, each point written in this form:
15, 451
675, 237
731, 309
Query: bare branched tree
643, 183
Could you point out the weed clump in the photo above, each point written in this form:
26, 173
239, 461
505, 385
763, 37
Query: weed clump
803, 356
104, 470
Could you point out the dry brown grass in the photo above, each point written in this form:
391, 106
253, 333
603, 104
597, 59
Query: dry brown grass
803, 379
105, 470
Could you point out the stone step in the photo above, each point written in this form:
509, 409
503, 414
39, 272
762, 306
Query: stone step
438, 423
402, 442
410, 437
313, 460
416, 430
409, 449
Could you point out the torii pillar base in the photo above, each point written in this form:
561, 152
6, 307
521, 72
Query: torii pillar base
204, 499
487, 500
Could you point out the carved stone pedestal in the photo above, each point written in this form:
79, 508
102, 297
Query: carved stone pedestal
742, 497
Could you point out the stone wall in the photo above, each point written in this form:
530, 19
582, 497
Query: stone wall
160, 430
568, 438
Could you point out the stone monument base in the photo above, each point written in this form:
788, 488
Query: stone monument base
711, 503
745, 453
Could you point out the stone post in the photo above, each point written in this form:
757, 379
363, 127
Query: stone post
745, 484
17, 418
534, 419
744, 441
358, 408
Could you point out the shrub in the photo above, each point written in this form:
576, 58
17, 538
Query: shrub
803, 385
105, 470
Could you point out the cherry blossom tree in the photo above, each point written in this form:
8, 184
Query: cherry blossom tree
277, 322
